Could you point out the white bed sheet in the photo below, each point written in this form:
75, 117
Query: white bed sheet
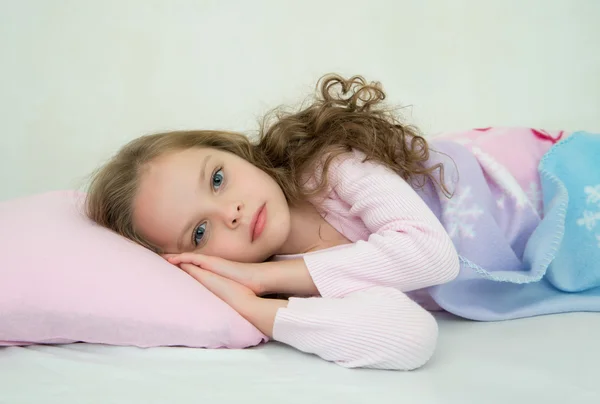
549, 359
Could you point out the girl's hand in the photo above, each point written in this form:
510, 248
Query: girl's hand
289, 277
252, 276
259, 312
234, 294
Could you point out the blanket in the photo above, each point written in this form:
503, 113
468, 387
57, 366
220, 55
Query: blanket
524, 216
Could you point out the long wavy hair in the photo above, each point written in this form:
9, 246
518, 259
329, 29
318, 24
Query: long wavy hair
344, 114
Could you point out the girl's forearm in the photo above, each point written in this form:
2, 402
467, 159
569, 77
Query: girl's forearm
290, 277
262, 312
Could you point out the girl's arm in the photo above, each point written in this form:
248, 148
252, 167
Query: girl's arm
408, 248
363, 318
378, 327
375, 328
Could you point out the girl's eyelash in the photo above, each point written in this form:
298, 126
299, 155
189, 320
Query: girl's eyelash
212, 178
194, 243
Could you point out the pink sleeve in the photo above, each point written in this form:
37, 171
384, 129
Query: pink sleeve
374, 328
408, 248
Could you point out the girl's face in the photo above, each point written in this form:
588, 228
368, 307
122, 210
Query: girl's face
211, 202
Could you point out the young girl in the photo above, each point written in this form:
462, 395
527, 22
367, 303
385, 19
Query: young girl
355, 217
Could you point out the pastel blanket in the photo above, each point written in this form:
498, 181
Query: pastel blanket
525, 219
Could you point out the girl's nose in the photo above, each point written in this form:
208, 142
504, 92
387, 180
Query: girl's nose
232, 214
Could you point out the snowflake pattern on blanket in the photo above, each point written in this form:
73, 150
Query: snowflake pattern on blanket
591, 218
460, 214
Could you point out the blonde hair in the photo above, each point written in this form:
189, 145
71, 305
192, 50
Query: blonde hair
346, 114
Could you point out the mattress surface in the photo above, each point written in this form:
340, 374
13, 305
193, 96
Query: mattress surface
548, 359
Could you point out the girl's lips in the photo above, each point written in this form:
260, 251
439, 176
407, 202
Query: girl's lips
258, 222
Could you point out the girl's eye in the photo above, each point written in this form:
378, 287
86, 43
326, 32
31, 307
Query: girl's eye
217, 179
199, 234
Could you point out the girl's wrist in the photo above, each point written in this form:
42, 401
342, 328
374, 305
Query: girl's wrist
289, 277
261, 313
269, 278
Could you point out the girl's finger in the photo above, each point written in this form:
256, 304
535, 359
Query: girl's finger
207, 262
188, 258
171, 258
216, 284
197, 273
191, 270
224, 269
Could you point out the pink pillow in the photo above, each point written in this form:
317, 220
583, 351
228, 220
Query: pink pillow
64, 279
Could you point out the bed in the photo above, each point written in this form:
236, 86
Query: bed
546, 359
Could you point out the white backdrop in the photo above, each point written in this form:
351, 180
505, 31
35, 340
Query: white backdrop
79, 78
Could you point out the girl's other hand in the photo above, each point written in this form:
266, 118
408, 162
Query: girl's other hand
258, 311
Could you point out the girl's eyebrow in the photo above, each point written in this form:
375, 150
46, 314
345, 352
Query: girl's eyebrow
204, 164
189, 226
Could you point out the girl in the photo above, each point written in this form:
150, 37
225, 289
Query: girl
348, 212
